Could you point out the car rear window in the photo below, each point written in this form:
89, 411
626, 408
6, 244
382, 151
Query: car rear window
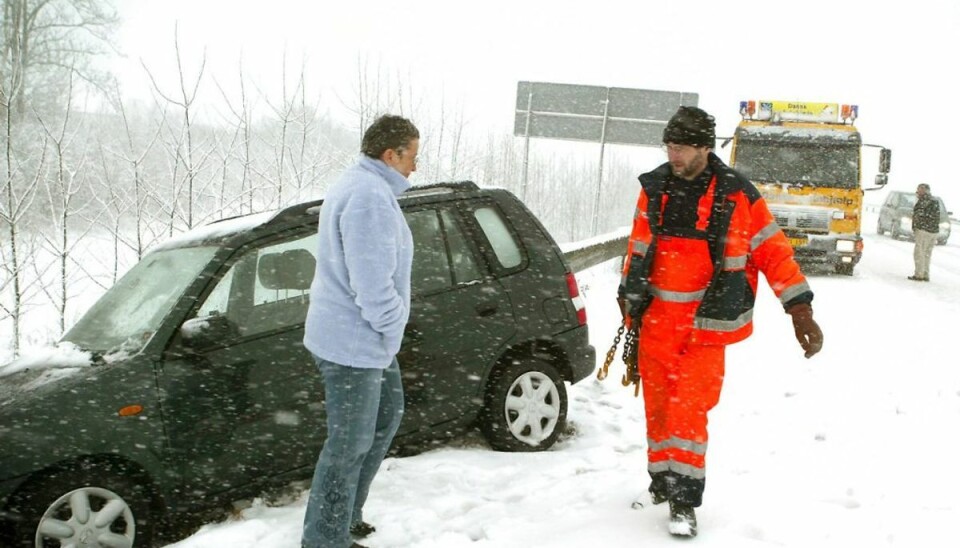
504, 245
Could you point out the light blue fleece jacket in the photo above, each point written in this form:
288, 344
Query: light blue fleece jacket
360, 296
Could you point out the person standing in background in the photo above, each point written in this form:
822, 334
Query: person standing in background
926, 226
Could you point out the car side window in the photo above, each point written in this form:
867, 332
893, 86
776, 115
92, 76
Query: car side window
266, 288
441, 256
505, 246
431, 269
464, 263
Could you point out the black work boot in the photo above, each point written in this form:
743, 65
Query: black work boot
362, 529
683, 520
648, 499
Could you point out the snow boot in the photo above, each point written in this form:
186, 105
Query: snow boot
648, 499
683, 520
362, 529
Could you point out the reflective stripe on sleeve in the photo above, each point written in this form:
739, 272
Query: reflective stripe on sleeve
764, 234
794, 290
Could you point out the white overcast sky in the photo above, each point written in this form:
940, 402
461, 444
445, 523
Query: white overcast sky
897, 61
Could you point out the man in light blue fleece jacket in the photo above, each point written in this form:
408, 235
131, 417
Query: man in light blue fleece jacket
359, 306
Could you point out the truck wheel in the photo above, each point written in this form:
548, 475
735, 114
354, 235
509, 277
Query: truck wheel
525, 407
90, 505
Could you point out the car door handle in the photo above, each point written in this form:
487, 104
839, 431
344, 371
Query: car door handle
486, 309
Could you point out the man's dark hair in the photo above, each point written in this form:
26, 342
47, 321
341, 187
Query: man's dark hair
388, 132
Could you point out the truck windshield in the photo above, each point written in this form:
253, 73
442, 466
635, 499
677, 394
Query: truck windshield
828, 165
128, 314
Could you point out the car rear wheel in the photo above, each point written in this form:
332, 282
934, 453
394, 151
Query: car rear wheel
525, 408
84, 506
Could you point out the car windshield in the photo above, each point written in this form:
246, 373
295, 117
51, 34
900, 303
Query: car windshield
908, 200
128, 314
804, 163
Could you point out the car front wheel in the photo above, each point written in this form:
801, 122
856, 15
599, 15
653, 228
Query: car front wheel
89, 506
525, 407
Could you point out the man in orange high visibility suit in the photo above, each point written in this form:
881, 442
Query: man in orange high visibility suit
701, 234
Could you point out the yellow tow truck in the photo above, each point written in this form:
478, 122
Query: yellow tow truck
805, 158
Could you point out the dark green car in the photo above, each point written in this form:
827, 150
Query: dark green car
193, 388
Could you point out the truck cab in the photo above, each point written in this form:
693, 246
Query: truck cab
805, 159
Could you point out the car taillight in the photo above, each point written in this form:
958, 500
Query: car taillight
577, 300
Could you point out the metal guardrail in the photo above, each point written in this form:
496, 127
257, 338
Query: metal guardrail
583, 255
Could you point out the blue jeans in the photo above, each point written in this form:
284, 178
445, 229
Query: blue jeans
364, 408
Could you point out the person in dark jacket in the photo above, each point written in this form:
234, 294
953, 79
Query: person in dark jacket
926, 226
701, 235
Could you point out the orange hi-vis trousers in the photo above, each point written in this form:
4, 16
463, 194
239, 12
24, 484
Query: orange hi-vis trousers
681, 381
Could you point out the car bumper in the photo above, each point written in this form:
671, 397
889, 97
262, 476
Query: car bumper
581, 356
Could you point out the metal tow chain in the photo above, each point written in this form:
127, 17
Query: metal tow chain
632, 374
602, 372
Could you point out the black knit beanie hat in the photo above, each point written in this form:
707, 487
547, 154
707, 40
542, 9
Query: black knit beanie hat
691, 126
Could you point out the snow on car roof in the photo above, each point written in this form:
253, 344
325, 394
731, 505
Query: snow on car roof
217, 229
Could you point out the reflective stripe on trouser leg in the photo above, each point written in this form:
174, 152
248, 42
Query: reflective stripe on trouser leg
681, 383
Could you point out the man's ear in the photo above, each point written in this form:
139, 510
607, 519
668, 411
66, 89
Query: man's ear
389, 156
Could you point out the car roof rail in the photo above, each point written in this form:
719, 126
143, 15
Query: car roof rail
298, 211
440, 188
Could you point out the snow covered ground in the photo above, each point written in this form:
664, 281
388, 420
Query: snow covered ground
855, 447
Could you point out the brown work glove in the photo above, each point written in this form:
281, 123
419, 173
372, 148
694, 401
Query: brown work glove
807, 331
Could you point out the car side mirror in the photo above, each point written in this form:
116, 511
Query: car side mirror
880, 179
207, 331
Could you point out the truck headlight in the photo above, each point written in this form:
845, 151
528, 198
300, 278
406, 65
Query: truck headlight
845, 246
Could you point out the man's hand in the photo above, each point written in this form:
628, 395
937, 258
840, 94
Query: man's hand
807, 331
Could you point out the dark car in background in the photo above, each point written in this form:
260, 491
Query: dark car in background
199, 391
896, 216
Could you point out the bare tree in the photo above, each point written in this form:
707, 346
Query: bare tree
136, 157
63, 191
185, 149
241, 117
44, 42
13, 210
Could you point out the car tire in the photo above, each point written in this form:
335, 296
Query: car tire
83, 505
525, 408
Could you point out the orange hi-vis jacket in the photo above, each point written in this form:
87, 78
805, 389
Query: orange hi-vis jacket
743, 239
